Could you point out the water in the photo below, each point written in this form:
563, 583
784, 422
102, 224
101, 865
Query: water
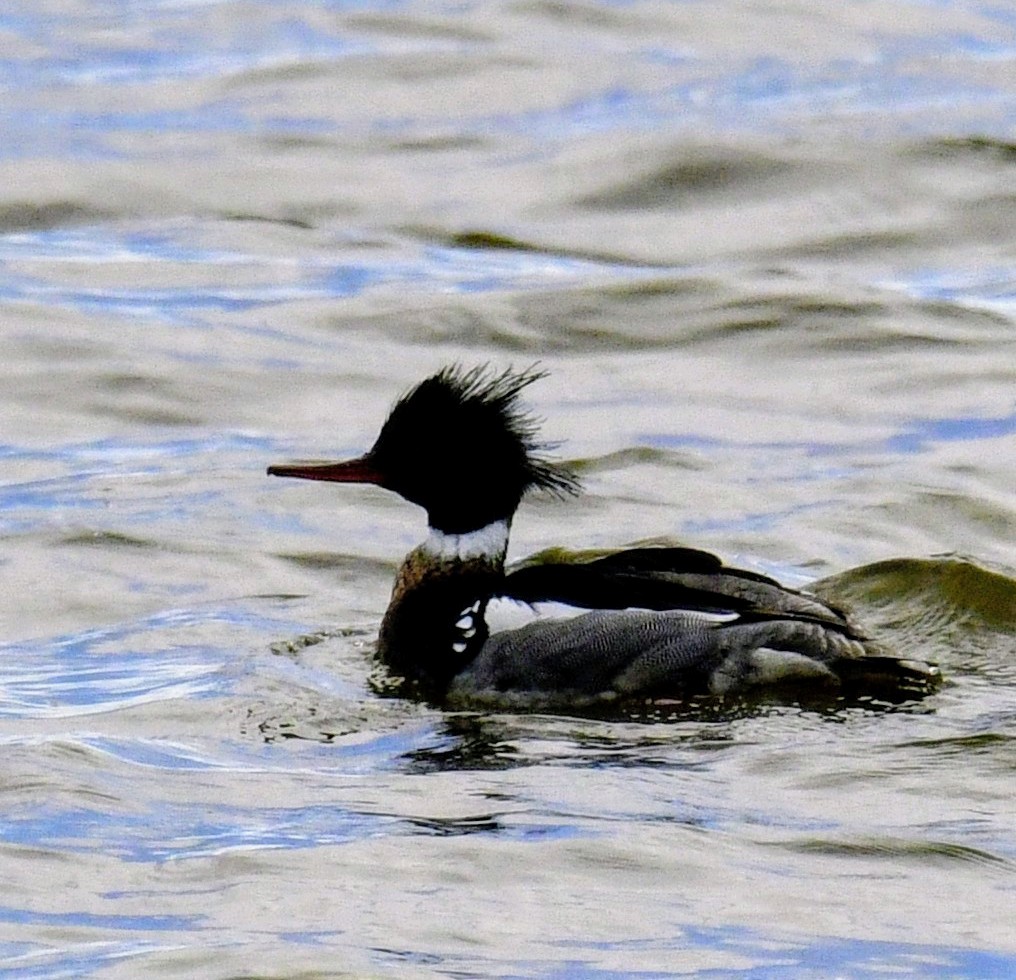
765, 253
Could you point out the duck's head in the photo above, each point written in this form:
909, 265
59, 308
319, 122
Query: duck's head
460, 446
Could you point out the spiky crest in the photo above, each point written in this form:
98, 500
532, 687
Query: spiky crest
460, 445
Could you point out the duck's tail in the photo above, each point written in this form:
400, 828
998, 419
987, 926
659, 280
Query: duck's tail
885, 677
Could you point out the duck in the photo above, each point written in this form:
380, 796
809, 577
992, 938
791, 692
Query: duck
641, 625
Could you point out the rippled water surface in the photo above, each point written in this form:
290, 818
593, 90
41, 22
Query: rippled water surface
766, 253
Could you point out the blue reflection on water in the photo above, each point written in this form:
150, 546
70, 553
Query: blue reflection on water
925, 432
773, 956
916, 435
982, 287
72, 960
758, 522
122, 451
181, 48
90, 920
115, 667
35, 273
763, 955
171, 832
78, 675
25, 505
765, 92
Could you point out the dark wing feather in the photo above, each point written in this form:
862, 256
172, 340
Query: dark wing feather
668, 579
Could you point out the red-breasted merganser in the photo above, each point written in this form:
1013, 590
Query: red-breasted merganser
652, 623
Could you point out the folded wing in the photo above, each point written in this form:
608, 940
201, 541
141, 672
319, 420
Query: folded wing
667, 579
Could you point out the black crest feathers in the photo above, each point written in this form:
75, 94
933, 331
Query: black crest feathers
460, 445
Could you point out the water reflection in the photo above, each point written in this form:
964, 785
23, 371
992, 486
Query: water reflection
926, 432
44, 267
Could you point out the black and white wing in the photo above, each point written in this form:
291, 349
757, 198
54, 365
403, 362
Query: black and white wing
666, 579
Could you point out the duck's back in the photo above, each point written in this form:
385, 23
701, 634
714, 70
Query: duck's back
701, 628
